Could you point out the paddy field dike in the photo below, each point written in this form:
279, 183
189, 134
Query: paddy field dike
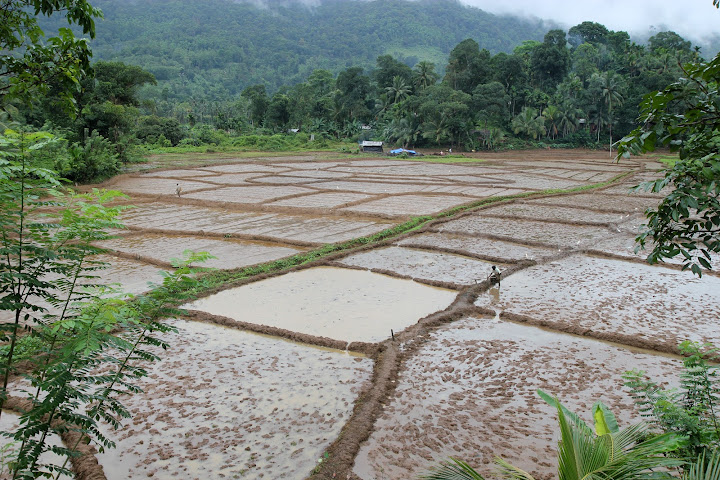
378, 357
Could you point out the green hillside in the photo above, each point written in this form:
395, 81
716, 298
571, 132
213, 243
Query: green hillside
213, 49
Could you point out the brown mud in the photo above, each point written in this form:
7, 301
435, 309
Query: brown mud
355, 197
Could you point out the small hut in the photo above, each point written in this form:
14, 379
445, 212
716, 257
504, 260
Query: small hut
371, 147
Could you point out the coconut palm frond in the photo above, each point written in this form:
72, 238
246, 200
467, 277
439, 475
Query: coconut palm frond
511, 472
605, 421
575, 418
452, 470
704, 468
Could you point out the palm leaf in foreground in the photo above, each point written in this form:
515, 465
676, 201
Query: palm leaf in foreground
704, 469
452, 470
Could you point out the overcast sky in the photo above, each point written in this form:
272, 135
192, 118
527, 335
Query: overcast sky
692, 19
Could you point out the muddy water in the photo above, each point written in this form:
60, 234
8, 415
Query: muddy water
470, 393
410, 204
546, 233
615, 297
321, 200
188, 219
230, 253
479, 246
342, 304
228, 404
423, 264
600, 201
554, 213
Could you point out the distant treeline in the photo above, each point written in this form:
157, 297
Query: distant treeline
580, 87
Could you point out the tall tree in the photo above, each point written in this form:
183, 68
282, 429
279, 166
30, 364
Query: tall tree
30, 64
110, 98
387, 69
424, 75
258, 103
550, 61
351, 98
686, 118
587, 32
468, 66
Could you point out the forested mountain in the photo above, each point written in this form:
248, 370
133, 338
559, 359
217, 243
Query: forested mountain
412, 73
213, 49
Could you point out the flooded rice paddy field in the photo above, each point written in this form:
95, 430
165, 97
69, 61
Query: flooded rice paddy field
230, 404
428, 361
470, 392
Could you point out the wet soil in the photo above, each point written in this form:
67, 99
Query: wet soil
495, 251
470, 392
615, 300
423, 265
159, 249
229, 404
341, 304
453, 382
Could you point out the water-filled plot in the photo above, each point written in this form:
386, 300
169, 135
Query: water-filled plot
554, 213
228, 404
341, 304
158, 186
470, 393
614, 298
230, 253
190, 219
422, 265
601, 201
532, 231
408, 205
9, 422
483, 247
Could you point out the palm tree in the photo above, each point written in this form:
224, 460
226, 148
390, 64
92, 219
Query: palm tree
398, 91
529, 123
424, 75
569, 118
553, 116
610, 88
402, 131
608, 453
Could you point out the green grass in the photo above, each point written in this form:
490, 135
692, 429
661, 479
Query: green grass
669, 161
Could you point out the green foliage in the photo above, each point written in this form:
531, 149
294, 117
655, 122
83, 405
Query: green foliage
693, 409
611, 453
152, 129
81, 346
193, 49
529, 123
93, 160
684, 117
31, 64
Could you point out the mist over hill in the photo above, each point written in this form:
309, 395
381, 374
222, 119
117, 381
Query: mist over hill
213, 49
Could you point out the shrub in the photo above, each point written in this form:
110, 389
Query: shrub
94, 159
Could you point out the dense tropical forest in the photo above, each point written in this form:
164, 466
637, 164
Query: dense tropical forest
233, 75
213, 49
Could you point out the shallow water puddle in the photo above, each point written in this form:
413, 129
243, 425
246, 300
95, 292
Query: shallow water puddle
342, 304
230, 253
616, 297
498, 249
423, 264
223, 403
470, 393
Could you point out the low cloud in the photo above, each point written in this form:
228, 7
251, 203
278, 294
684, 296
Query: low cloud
693, 19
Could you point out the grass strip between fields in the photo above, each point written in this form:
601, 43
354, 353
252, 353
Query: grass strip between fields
216, 278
